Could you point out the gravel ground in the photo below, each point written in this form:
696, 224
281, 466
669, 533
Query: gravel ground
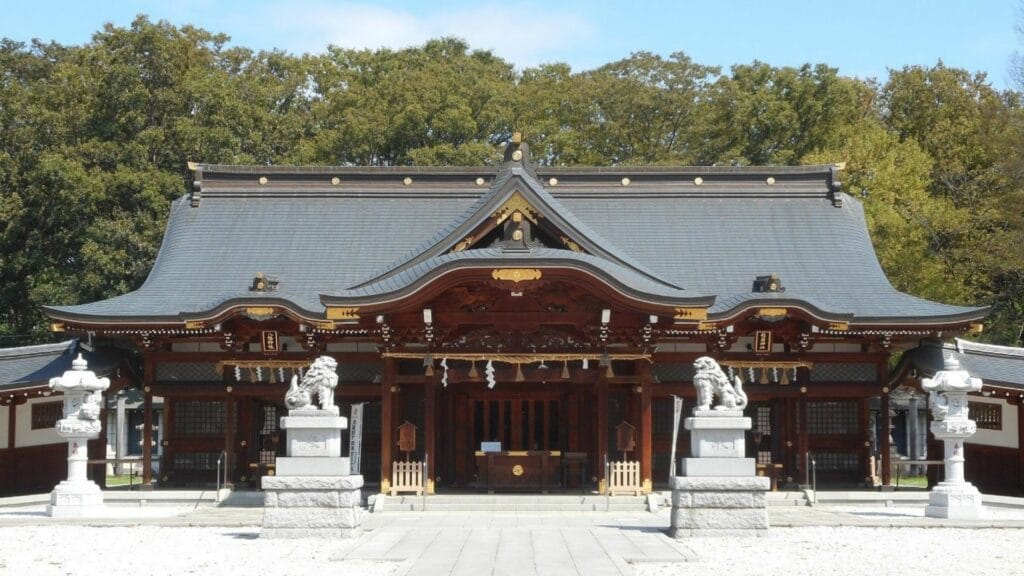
154, 550
856, 552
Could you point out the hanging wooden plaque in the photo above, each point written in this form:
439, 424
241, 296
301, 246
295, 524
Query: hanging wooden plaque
407, 437
625, 437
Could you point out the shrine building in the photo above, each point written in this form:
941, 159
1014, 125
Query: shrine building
516, 326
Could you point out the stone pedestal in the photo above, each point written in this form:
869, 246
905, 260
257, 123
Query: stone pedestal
719, 506
77, 496
954, 497
312, 506
314, 492
719, 492
718, 444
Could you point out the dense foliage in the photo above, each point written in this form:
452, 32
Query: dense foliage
94, 141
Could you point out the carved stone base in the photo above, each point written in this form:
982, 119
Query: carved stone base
75, 500
719, 506
955, 501
304, 506
314, 432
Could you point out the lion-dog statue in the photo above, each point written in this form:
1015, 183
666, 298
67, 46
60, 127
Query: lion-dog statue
711, 382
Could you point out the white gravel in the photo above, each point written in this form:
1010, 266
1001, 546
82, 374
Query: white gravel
856, 552
63, 550
152, 550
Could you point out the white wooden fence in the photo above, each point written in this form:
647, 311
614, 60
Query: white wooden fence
624, 478
407, 477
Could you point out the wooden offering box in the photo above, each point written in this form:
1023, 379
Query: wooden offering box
527, 471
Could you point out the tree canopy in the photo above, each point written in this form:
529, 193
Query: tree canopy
94, 141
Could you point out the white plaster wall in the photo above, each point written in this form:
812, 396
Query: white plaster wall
24, 435
3, 427
1007, 437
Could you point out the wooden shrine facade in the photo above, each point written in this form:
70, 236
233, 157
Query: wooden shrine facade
533, 312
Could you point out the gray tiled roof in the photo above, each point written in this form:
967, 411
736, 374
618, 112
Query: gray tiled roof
662, 229
993, 364
30, 366
1001, 366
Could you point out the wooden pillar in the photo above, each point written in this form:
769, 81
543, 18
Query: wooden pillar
148, 377
646, 426
386, 425
12, 427
430, 429
229, 438
602, 428
1020, 443
802, 441
884, 443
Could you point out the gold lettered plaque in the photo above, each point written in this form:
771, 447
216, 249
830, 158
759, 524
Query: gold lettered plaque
270, 341
762, 342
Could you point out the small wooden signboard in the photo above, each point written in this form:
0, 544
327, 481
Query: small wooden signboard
625, 438
270, 341
407, 438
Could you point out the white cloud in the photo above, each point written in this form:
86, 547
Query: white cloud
523, 36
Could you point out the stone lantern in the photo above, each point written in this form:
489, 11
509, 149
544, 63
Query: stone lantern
83, 399
954, 497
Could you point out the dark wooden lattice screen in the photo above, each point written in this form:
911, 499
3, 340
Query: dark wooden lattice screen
988, 416
832, 418
199, 418
46, 414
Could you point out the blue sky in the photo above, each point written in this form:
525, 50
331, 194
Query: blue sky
862, 38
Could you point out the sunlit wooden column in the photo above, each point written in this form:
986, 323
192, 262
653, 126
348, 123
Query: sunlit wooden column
12, 428
386, 424
430, 428
1020, 441
230, 418
802, 441
602, 429
884, 443
148, 377
646, 426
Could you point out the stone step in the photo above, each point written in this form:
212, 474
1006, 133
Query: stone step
514, 503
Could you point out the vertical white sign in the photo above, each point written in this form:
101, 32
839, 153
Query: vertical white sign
677, 413
355, 439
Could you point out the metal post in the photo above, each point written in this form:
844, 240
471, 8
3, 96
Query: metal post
814, 479
426, 476
607, 485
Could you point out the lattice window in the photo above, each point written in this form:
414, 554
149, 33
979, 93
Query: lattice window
199, 418
46, 414
763, 424
764, 457
187, 372
832, 417
269, 419
988, 416
833, 372
195, 461
672, 371
836, 462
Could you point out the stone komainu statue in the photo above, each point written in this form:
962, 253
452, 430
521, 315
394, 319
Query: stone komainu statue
320, 381
710, 381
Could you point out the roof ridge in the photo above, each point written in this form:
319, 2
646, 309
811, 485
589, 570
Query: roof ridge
37, 349
964, 346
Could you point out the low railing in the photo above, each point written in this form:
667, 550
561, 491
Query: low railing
407, 477
624, 478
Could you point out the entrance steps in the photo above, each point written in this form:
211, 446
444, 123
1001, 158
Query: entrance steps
514, 503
